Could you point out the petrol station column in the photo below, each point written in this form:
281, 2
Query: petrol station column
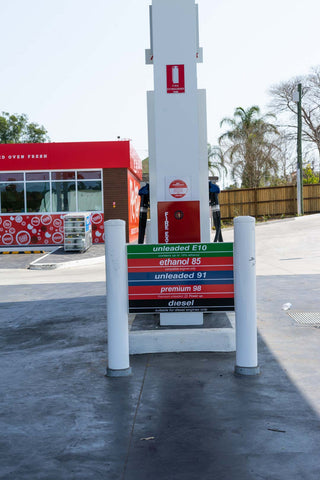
178, 163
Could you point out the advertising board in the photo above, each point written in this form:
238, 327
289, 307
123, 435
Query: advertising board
41, 229
133, 207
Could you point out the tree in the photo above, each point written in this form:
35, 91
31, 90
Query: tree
216, 160
284, 105
18, 129
250, 146
285, 155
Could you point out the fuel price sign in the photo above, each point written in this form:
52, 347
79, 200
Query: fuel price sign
180, 277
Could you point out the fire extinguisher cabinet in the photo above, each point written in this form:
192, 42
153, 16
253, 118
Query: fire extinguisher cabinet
77, 232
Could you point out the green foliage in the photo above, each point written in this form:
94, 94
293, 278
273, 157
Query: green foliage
309, 177
17, 129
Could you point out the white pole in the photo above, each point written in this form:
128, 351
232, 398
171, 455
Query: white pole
117, 298
245, 296
148, 232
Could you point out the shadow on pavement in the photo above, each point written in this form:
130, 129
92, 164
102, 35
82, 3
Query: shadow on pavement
178, 416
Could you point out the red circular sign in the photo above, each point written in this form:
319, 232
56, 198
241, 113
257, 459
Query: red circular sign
178, 188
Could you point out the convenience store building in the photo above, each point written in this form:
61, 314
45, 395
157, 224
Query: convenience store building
41, 182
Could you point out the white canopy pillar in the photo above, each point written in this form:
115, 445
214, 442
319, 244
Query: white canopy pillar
178, 160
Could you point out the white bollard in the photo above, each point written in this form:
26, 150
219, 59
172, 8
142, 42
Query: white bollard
245, 296
117, 298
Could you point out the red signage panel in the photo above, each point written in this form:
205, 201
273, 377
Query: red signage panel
175, 79
188, 264
143, 292
179, 222
41, 229
133, 207
69, 155
135, 163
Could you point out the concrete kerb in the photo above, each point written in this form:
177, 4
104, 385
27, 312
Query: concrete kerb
72, 263
25, 249
40, 265
23, 252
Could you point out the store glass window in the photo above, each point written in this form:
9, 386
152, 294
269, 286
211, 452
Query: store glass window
38, 196
37, 176
94, 174
11, 177
12, 197
58, 191
89, 195
63, 175
64, 197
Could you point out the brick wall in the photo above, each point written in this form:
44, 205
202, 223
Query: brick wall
115, 189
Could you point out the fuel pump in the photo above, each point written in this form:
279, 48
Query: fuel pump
214, 191
144, 205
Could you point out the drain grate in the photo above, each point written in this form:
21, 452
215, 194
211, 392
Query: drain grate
311, 319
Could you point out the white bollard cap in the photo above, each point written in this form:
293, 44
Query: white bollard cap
244, 219
115, 223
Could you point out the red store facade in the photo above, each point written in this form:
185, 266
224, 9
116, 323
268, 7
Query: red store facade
41, 182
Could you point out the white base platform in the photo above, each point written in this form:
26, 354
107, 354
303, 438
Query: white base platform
181, 318
184, 339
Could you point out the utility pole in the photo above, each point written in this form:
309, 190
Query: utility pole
297, 98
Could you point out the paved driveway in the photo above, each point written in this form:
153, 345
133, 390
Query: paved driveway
178, 416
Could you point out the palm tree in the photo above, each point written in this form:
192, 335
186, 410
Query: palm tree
216, 160
249, 146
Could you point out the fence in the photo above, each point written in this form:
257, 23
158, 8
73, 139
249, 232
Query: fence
272, 201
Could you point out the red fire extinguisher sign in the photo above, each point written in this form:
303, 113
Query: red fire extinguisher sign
175, 79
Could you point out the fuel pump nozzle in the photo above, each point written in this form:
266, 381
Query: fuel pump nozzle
143, 215
214, 191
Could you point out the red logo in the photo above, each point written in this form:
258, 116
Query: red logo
7, 239
23, 238
7, 224
35, 221
178, 188
96, 218
46, 219
57, 237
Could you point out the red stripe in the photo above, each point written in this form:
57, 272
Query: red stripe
200, 268
206, 263
179, 296
187, 291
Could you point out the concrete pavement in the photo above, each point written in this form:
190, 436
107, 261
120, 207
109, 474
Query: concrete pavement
286, 247
178, 416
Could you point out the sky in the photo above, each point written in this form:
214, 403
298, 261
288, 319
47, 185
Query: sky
78, 67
